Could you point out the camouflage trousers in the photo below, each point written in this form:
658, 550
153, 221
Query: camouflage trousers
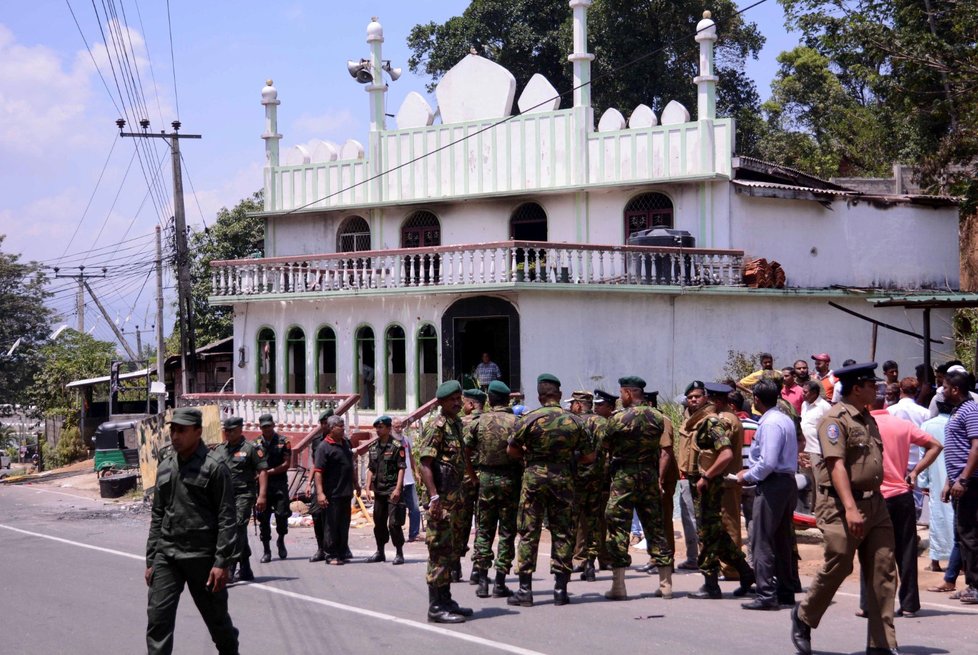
441, 537
716, 545
636, 488
591, 498
499, 494
548, 491
244, 504
470, 497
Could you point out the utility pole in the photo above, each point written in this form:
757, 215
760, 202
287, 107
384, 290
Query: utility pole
119, 335
81, 275
188, 347
160, 348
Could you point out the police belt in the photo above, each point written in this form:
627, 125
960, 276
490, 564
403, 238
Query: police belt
857, 495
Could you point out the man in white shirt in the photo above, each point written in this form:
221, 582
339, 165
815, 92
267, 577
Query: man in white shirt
907, 407
813, 408
409, 491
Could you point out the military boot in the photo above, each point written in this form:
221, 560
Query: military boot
747, 579
588, 574
499, 589
266, 553
398, 557
282, 552
318, 556
449, 603
617, 591
560, 588
482, 591
378, 556
474, 576
437, 612
665, 583
710, 589
245, 573
524, 595
457, 572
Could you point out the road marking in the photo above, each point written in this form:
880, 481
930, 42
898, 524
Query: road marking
52, 491
960, 607
497, 645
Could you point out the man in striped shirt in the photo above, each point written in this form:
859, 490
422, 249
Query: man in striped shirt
961, 459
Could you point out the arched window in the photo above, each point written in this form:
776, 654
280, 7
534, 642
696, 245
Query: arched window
528, 223
295, 361
427, 363
396, 368
647, 211
266, 352
366, 367
326, 360
353, 235
421, 230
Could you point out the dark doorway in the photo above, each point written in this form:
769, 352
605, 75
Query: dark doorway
473, 326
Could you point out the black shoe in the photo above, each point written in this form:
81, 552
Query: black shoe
648, 568
872, 650
449, 604
789, 601
245, 573
524, 595
801, 633
266, 553
560, 588
499, 589
742, 591
747, 579
482, 590
588, 575
399, 557
282, 552
377, 557
710, 589
474, 576
760, 605
318, 556
457, 572
437, 613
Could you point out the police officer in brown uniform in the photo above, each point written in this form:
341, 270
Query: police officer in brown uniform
852, 515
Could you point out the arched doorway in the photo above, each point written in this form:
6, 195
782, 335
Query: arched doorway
353, 235
421, 230
427, 369
366, 367
647, 211
326, 361
528, 223
473, 326
295, 361
266, 359
396, 368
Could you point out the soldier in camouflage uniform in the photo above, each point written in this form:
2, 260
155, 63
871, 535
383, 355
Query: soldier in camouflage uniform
551, 441
486, 439
473, 402
440, 452
589, 487
246, 460
708, 436
638, 461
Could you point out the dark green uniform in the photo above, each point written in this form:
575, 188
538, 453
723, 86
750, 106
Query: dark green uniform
470, 494
711, 435
385, 461
552, 438
244, 459
192, 530
441, 440
277, 452
632, 441
499, 486
591, 492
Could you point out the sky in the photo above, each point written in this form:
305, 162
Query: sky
72, 193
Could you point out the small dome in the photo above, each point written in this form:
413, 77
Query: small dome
269, 92
706, 29
375, 30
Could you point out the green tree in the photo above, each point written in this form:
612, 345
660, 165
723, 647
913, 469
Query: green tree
72, 356
234, 235
23, 317
534, 36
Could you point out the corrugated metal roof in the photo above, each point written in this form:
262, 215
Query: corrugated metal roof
927, 300
105, 378
792, 187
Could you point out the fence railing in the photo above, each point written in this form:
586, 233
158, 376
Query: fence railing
508, 262
292, 412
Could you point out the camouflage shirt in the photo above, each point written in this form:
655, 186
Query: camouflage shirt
632, 435
488, 435
385, 461
594, 427
551, 435
245, 459
441, 440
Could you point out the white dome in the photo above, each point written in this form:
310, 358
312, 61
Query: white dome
375, 30
269, 92
706, 29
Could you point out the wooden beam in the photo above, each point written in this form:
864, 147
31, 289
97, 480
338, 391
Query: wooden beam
885, 325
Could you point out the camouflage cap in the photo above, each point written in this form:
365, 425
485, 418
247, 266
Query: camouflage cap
266, 419
325, 415
232, 422
631, 381
448, 388
548, 377
475, 394
583, 396
187, 416
497, 386
383, 420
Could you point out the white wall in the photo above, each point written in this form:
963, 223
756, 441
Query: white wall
850, 244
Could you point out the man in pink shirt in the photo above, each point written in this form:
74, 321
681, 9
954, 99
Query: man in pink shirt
897, 489
790, 390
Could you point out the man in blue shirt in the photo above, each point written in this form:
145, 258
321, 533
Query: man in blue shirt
772, 464
961, 488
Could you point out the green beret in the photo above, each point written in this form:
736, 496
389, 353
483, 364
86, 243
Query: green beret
383, 420
475, 394
695, 384
232, 422
548, 377
631, 381
497, 386
266, 419
325, 415
187, 416
446, 389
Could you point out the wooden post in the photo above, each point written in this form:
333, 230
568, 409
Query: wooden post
872, 349
927, 360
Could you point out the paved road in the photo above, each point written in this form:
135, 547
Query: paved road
71, 581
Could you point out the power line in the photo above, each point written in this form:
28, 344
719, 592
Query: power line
94, 63
149, 58
173, 64
114, 201
91, 197
193, 191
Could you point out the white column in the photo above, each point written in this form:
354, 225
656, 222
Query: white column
706, 81
583, 113
269, 98
377, 91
